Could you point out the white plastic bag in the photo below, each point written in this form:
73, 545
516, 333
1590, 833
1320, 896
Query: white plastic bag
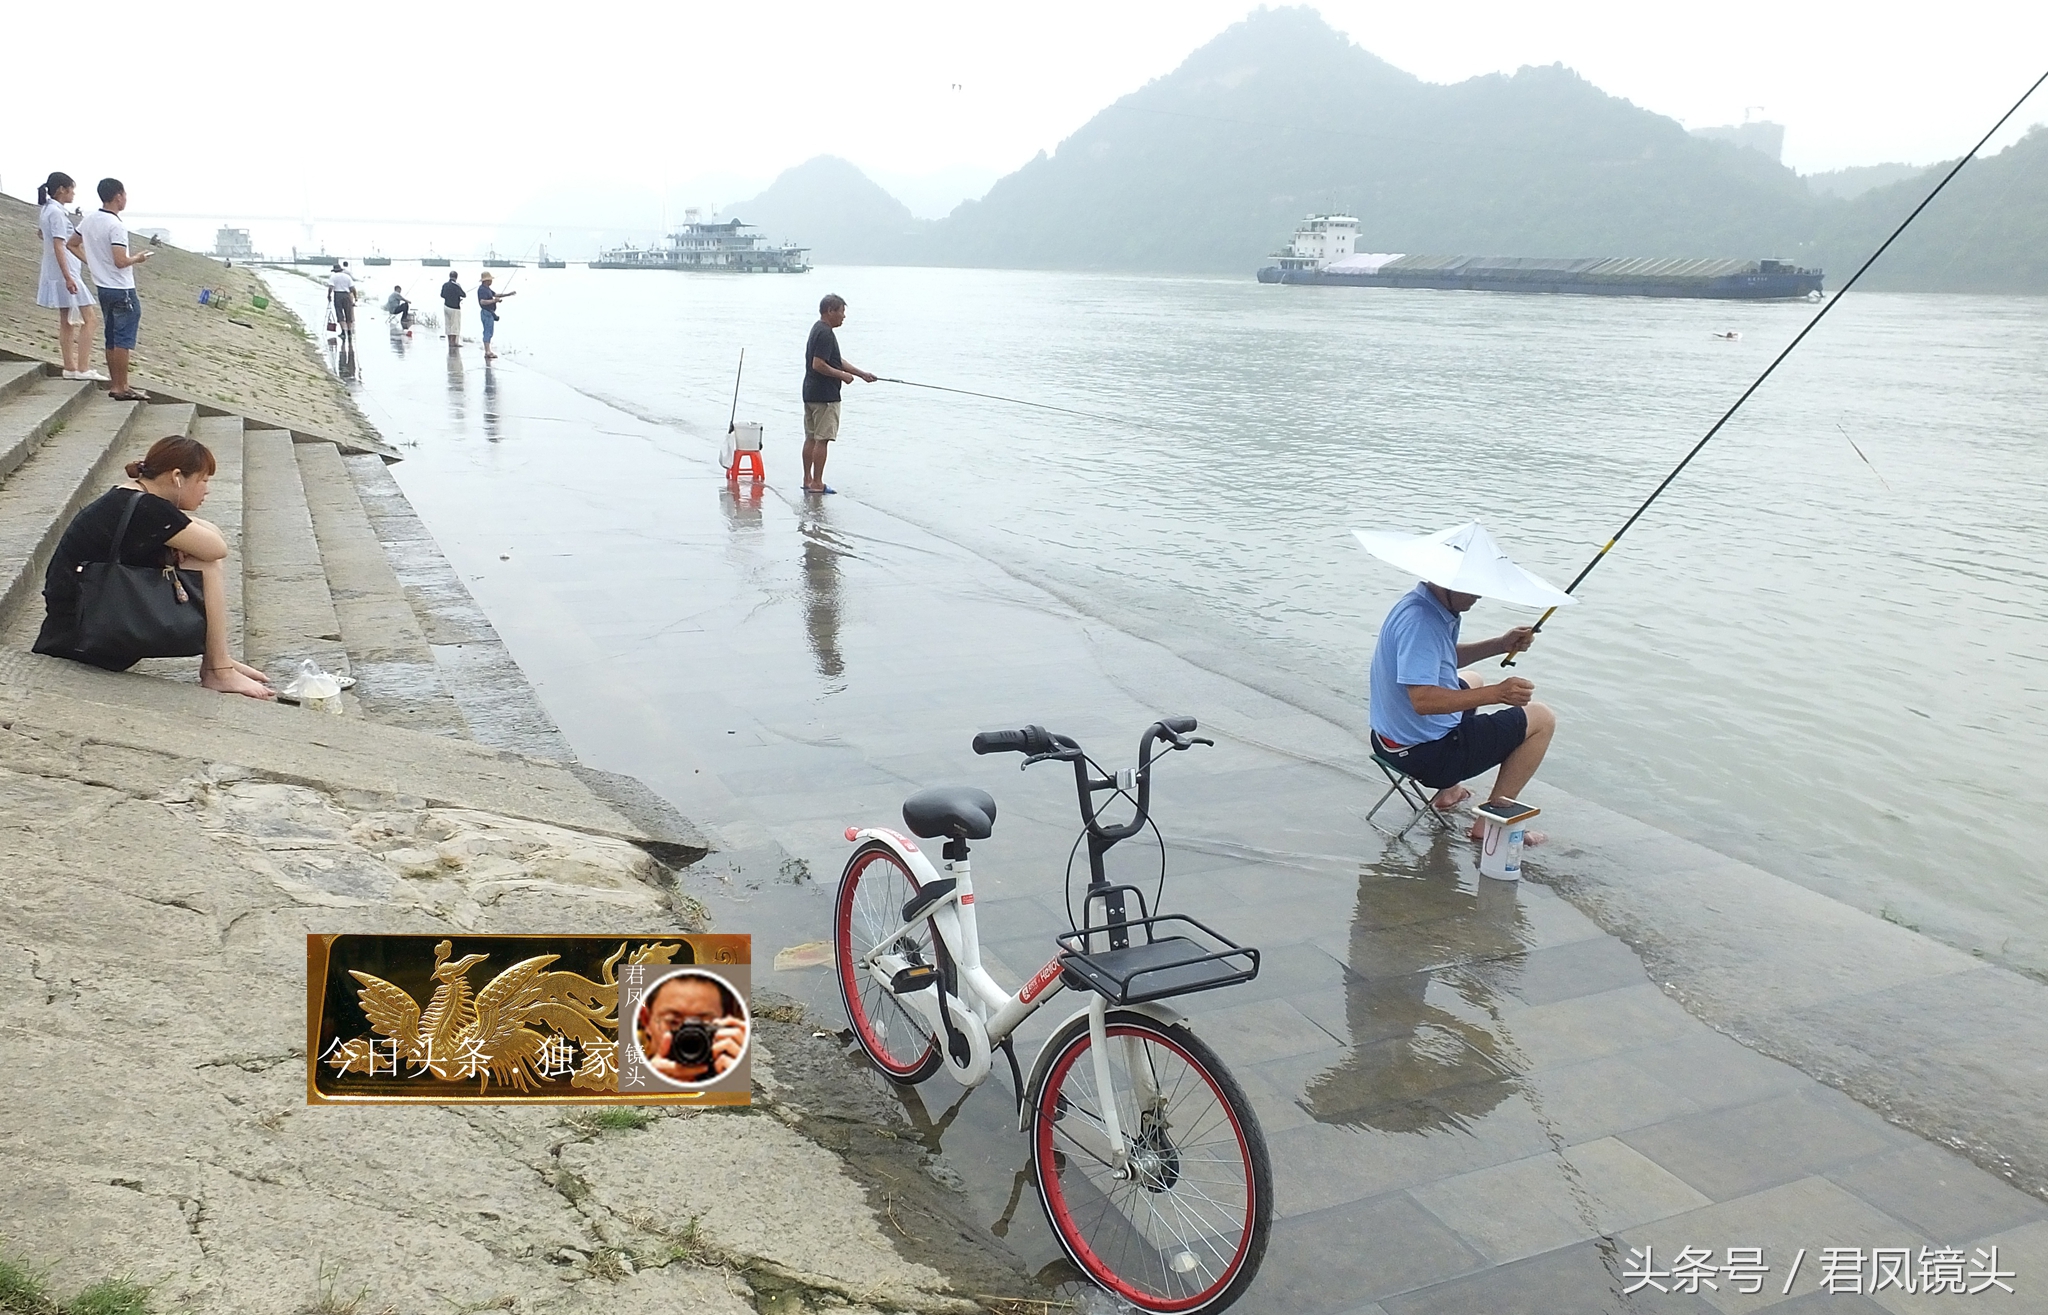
316, 690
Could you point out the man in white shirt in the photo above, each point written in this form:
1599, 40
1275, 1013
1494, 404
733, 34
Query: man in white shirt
105, 239
341, 292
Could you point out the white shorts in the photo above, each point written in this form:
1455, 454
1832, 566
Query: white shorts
451, 321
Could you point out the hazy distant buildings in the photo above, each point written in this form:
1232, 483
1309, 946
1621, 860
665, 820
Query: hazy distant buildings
233, 244
1760, 135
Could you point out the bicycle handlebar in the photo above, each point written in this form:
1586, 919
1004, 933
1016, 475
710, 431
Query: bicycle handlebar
1039, 744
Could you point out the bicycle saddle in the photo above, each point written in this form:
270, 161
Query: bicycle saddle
958, 811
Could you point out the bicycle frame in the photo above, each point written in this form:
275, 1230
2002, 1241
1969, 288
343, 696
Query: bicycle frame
981, 1009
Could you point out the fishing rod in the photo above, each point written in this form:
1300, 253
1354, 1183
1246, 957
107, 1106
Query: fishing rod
1819, 315
1018, 401
732, 421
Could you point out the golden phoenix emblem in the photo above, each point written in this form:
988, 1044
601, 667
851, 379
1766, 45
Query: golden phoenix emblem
526, 1025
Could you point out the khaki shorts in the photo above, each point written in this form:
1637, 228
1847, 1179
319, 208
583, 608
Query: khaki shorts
451, 321
821, 421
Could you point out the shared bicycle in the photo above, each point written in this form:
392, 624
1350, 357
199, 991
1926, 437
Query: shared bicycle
1146, 1153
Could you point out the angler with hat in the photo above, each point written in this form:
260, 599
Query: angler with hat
1426, 719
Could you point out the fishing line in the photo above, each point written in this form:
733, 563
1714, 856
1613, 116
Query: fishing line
1018, 401
1866, 460
732, 420
1821, 314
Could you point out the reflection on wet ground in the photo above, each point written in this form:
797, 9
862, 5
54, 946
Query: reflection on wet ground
1475, 1099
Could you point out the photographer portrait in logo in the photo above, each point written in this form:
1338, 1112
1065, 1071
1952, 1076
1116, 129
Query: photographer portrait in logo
692, 1027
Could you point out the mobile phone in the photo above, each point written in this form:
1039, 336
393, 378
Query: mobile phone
1505, 811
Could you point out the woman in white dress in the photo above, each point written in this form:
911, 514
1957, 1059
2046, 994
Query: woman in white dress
64, 287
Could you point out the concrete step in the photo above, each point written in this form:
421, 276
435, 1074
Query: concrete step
50, 700
497, 703
397, 680
37, 409
73, 465
223, 437
288, 610
17, 375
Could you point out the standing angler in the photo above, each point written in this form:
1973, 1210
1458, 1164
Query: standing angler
451, 299
824, 371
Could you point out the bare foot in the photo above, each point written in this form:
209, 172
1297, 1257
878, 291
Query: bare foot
249, 671
230, 680
1450, 797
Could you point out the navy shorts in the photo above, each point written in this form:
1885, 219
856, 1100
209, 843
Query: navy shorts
1479, 741
122, 310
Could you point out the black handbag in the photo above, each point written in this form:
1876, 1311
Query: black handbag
126, 613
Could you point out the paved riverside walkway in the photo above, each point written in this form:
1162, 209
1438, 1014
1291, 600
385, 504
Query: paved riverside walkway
1476, 1097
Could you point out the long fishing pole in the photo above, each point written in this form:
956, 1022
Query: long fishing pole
732, 421
1018, 401
1821, 314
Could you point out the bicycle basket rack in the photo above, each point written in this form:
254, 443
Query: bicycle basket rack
1193, 957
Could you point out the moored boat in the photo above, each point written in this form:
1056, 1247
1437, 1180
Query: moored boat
1323, 251
717, 248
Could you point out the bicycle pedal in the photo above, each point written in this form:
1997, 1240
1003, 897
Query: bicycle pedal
912, 979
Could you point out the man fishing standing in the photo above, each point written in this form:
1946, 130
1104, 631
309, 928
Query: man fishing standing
824, 371
451, 301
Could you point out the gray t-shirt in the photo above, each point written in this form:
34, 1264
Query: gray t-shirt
822, 345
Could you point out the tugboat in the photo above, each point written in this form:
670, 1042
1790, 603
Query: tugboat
717, 248
374, 259
432, 261
492, 260
1324, 252
545, 263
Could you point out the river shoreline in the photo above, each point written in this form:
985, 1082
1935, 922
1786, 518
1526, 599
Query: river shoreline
201, 837
822, 717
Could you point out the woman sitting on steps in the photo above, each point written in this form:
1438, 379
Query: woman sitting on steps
173, 480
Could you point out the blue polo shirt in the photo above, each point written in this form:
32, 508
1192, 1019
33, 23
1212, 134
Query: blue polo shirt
1418, 645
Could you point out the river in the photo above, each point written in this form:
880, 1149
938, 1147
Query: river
1827, 664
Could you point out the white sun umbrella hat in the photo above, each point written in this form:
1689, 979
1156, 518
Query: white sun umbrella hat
1465, 560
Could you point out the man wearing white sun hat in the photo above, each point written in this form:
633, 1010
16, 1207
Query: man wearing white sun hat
1425, 717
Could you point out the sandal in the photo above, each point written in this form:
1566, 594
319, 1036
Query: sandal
130, 395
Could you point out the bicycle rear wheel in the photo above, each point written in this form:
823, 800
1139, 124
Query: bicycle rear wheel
872, 892
1185, 1227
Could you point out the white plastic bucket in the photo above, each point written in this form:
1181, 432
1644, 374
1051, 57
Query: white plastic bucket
1504, 824
746, 436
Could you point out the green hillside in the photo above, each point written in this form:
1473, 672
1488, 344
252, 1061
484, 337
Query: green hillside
1209, 167
843, 216
1987, 233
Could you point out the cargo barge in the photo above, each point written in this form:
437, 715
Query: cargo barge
718, 248
1324, 252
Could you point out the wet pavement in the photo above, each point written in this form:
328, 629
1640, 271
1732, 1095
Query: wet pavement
1476, 1099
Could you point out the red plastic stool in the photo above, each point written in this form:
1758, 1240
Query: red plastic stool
747, 464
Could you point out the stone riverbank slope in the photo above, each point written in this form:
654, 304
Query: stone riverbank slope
166, 850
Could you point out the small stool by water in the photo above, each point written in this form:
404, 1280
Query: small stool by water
742, 452
1504, 822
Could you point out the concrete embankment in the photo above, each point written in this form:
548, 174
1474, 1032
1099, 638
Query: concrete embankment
167, 850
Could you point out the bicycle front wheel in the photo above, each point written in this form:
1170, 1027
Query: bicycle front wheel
872, 893
1183, 1226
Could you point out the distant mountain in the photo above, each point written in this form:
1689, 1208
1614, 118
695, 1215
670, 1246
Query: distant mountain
1208, 168
837, 211
1860, 178
1987, 233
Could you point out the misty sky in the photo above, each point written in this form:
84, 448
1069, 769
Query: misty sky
472, 111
